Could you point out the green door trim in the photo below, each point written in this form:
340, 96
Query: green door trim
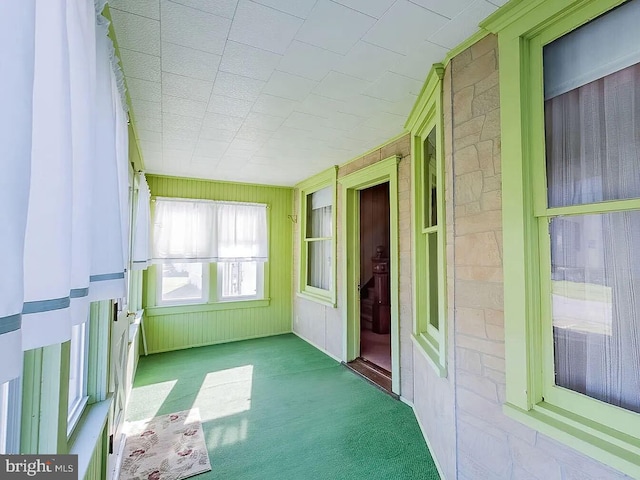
380, 172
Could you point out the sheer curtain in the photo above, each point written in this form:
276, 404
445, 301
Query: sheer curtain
208, 231
141, 241
593, 155
319, 225
17, 28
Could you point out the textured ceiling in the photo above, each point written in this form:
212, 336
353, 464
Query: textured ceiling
274, 91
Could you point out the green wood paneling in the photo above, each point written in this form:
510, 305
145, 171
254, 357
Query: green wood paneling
184, 329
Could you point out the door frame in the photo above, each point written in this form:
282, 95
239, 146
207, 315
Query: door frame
351, 185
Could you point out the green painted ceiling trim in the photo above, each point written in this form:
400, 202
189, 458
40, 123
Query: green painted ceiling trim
523, 29
461, 47
207, 181
135, 153
324, 179
426, 98
383, 171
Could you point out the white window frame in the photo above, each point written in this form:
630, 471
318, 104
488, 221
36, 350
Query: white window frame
10, 408
79, 402
234, 298
206, 286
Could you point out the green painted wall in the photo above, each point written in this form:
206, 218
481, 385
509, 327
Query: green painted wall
180, 328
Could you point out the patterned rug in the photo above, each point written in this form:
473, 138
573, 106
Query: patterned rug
169, 447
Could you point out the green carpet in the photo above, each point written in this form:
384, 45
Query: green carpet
277, 408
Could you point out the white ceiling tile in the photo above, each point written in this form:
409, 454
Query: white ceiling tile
334, 27
173, 157
236, 86
153, 161
153, 124
393, 87
242, 149
223, 8
368, 61
308, 61
344, 121
211, 161
149, 136
320, 106
150, 147
147, 109
364, 105
252, 134
140, 65
209, 148
146, 8
402, 107
277, 106
464, 25
179, 142
233, 161
448, 8
498, 3
404, 25
182, 106
383, 120
144, 90
205, 31
261, 121
189, 62
340, 87
217, 134
249, 61
222, 122
186, 87
285, 85
298, 8
137, 33
373, 8
288, 135
303, 120
419, 61
234, 107
326, 134
263, 27
188, 127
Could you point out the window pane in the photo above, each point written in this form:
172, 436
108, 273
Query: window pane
77, 365
319, 264
430, 209
239, 279
432, 246
593, 141
182, 281
596, 306
319, 212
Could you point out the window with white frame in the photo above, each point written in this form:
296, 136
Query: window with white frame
79, 351
317, 237
4, 416
209, 251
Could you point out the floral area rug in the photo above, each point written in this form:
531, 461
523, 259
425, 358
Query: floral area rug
169, 447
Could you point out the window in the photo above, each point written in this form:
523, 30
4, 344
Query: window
572, 312
78, 373
317, 240
4, 416
428, 210
208, 252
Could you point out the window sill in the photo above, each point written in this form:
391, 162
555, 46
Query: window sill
206, 307
603, 443
89, 434
74, 416
430, 353
323, 300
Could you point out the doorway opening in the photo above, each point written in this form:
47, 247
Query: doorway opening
374, 285
371, 281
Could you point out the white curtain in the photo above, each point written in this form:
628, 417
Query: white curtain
17, 28
47, 255
81, 29
141, 240
593, 155
108, 258
207, 231
319, 225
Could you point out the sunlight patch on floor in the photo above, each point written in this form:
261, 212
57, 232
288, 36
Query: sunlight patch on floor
225, 393
155, 394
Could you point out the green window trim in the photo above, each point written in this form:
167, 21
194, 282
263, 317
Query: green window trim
604, 432
429, 334
325, 179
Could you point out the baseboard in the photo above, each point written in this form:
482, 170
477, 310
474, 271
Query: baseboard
426, 439
208, 344
339, 360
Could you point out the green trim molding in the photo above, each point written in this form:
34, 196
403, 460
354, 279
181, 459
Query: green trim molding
604, 432
322, 180
425, 117
383, 171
